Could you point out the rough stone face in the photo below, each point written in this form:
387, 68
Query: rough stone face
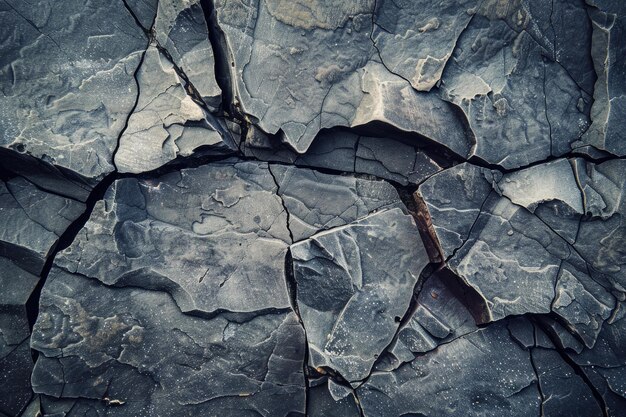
522, 242
199, 234
521, 103
290, 74
112, 337
284, 208
70, 111
166, 121
31, 222
180, 28
16, 362
485, 372
606, 133
317, 201
390, 158
354, 284
440, 316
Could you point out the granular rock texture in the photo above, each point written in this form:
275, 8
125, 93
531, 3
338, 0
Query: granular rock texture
283, 208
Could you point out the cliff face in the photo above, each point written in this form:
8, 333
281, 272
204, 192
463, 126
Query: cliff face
365, 208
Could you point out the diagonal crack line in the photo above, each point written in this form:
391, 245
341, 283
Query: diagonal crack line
135, 73
282, 201
578, 370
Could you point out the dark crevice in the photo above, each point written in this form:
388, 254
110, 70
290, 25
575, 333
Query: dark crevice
282, 202
427, 231
359, 406
135, 73
578, 370
223, 64
473, 301
534, 366
471, 229
64, 241
135, 18
292, 291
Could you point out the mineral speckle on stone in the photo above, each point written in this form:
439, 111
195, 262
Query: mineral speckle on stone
293, 208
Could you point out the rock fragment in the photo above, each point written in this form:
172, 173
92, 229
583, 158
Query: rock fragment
354, 285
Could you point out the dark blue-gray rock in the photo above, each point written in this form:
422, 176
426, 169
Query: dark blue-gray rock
482, 373
200, 234
390, 158
520, 101
605, 364
563, 391
16, 361
297, 68
166, 122
320, 403
354, 285
317, 201
439, 317
70, 111
521, 241
180, 28
31, 222
415, 39
606, 133
131, 351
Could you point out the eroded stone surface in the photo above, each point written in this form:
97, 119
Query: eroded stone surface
70, 111
106, 359
607, 113
259, 253
520, 101
31, 222
485, 372
200, 234
166, 121
354, 284
180, 27
522, 241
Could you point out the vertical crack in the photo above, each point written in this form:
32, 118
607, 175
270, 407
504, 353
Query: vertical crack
292, 290
578, 370
282, 201
139, 65
223, 65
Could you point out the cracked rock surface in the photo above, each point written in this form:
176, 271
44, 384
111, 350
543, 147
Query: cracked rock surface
284, 208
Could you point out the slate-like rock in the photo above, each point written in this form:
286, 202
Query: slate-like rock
200, 234
439, 317
31, 222
521, 103
521, 241
16, 362
607, 49
71, 110
166, 121
387, 157
320, 403
483, 373
605, 364
415, 39
129, 351
180, 27
317, 201
298, 68
354, 284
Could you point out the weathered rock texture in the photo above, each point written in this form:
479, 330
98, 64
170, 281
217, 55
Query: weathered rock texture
283, 208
